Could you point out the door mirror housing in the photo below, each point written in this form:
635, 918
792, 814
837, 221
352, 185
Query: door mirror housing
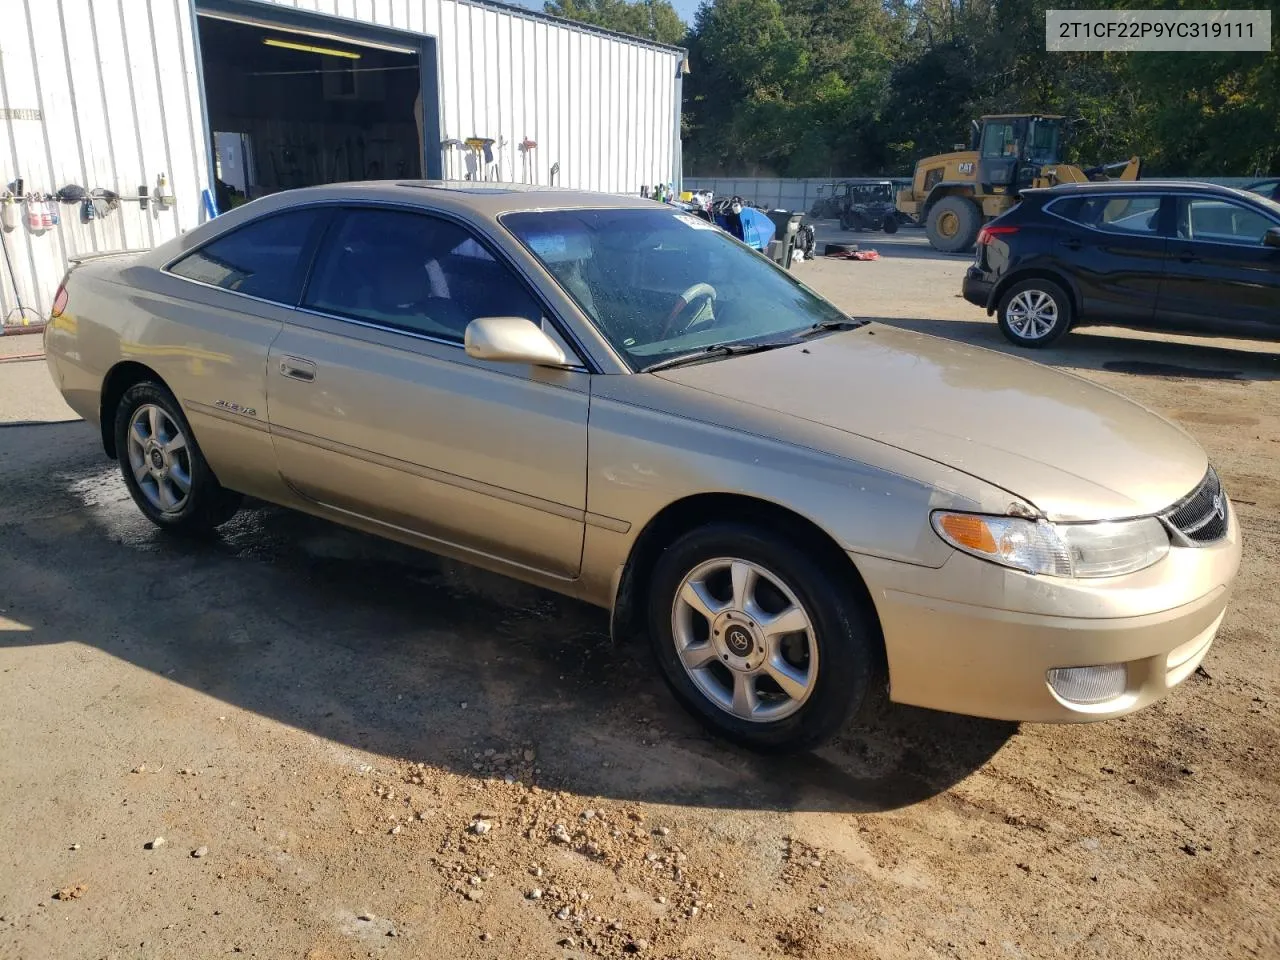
1272, 237
512, 340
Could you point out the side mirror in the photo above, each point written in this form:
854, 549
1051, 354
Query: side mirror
1272, 237
511, 340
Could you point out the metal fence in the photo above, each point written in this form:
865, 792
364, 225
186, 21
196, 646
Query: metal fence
800, 195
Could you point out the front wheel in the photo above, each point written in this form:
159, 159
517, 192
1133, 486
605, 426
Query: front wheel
758, 639
163, 467
953, 224
1034, 313
891, 223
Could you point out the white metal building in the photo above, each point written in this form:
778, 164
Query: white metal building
212, 102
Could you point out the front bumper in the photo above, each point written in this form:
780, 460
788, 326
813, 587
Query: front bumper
974, 638
977, 288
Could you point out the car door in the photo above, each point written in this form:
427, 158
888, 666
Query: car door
227, 301
378, 412
1221, 273
1116, 250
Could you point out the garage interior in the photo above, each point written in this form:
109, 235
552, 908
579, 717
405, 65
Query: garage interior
291, 109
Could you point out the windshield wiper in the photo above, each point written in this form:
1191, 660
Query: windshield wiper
717, 350
844, 323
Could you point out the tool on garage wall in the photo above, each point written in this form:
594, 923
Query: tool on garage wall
452, 150
8, 212
527, 147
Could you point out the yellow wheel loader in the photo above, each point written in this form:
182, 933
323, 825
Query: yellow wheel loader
953, 194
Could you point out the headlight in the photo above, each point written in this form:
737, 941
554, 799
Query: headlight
1056, 549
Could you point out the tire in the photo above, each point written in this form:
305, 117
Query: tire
845, 222
953, 224
1034, 313
891, 224
831, 663
161, 458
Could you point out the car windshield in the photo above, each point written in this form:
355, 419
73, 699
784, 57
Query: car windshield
659, 284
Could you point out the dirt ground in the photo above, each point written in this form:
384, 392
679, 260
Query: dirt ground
376, 753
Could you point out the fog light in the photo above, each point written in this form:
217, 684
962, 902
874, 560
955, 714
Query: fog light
1088, 684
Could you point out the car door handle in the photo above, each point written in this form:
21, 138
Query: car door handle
1072, 244
298, 369
1187, 258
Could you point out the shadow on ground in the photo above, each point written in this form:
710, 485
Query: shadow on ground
378, 646
1098, 350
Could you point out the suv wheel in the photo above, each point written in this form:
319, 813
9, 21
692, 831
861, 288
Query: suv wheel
758, 639
163, 467
1034, 313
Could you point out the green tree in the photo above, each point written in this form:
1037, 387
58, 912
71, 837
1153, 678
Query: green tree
849, 87
651, 19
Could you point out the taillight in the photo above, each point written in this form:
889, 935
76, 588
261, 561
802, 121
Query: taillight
59, 303
990, 232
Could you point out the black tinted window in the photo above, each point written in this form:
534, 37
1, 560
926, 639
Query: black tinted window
1068, 208
1221, 221
265, 258
413, 271
1120, 214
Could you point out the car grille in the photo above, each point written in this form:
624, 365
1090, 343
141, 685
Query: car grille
1201, 516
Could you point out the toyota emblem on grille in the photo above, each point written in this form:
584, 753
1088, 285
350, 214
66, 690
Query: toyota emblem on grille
1219, 508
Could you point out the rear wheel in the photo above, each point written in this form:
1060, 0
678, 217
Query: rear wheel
953, 224
758, 640
1034, 313
163, 467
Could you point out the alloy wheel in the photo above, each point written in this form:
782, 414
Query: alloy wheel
159, 458
744, 639
1032, 314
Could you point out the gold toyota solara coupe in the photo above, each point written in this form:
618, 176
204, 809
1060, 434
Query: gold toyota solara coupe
609, 398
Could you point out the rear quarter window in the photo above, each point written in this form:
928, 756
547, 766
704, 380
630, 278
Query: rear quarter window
266, 258
1112, 212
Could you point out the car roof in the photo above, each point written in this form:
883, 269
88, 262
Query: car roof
1141, 186
483, 199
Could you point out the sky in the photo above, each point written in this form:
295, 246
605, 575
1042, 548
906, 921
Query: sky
686, 9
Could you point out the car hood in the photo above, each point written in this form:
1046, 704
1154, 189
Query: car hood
1075, 450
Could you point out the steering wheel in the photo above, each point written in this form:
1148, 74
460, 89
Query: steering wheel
703, 294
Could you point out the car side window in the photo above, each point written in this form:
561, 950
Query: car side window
1122, 214
1221, 221
265, 258
414, 272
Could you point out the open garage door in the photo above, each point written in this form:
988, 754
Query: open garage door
289, 107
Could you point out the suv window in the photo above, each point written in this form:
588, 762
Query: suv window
1122, 214
1221, 221
415, 272
265, 258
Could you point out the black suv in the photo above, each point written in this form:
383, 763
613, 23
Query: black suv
1163, 255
